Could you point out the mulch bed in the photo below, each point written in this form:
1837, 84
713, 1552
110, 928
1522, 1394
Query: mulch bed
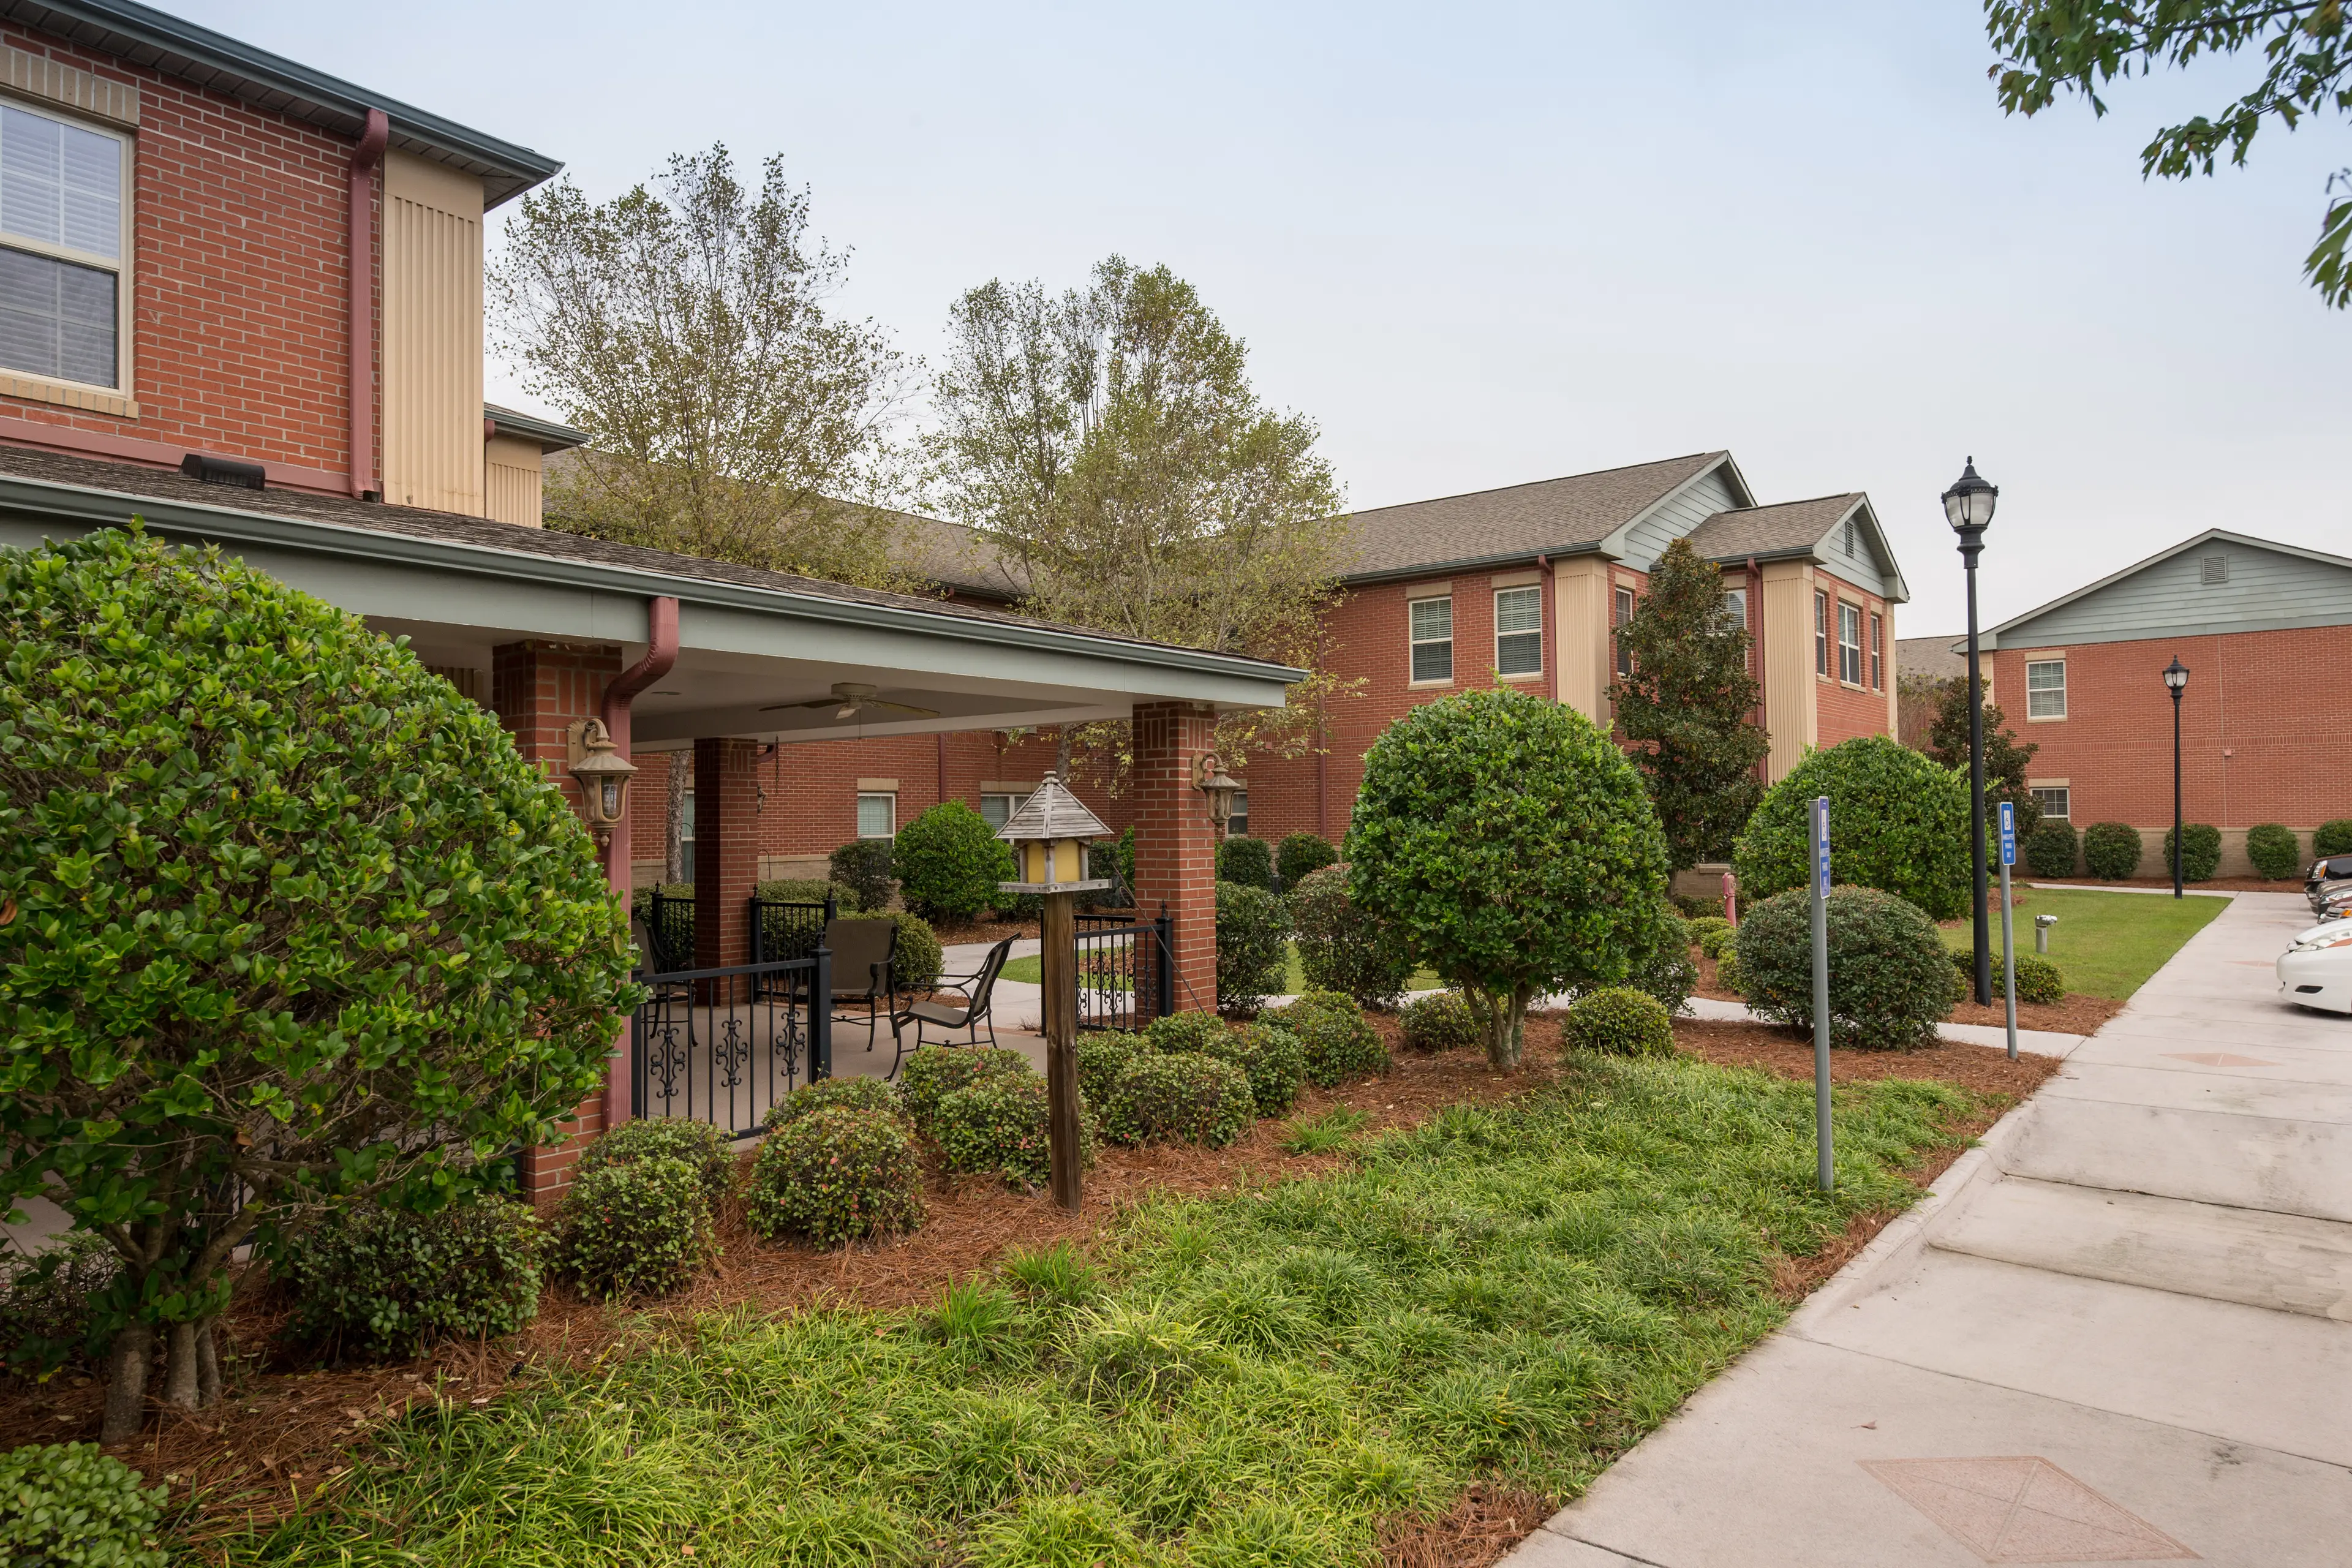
286, 1431
2077, 1014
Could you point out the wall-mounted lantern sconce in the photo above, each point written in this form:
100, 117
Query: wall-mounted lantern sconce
604, 775
1208, 776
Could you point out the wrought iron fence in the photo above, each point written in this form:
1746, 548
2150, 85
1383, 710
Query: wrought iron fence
785, 930
669, 931
723, 1046
1125, 976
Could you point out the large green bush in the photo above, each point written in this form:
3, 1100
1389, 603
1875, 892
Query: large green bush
2038, 979
1271, 1058
1898, 822
931, 1073
2052, 848
2200, 852
1336, 1041
377, 1284
1891, 981
835, 1175
1664, 970
863, 865
1246, 861
1620, 1020
69, 1505
878, 1094
44, 1302
1510, 846
1102, 1058
1252, 946
1342, 948
948, 862
291, 916
2333, 837
2275, 851
1301, 855
708, 1149
1005, 1123
627, 1231
1439, 1022
2111, 850
1181, 1097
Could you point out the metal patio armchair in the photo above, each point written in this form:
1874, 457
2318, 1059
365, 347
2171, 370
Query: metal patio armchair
978, 990
865, 972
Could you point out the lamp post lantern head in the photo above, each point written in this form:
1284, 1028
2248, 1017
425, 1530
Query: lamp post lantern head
1049, 833
2176, 676
603, 774
1208, 776
1967, 505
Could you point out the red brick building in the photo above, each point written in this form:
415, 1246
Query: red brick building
2265, 631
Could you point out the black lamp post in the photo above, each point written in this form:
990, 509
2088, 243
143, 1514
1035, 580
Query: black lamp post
2176, 680
1968, 506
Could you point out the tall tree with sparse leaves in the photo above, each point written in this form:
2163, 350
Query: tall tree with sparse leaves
2005, 756
1687, 711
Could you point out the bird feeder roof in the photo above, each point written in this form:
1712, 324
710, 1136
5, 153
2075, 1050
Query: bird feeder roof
1052, 812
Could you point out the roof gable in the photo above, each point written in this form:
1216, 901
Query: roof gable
2260, 585
1814, 530
1565, 516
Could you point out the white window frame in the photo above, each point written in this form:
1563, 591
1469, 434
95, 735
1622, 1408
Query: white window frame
1821, 635
1735, 607
1878, 651
890, 795
1521, 637
2041, 793
118, 264
2034, 698
1011, 805
686, 835
1237, 821
1849, 646
1415, 642
1622, 602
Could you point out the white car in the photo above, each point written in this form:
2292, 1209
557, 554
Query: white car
2317, 971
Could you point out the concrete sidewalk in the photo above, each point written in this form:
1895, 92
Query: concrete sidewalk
2121, 1332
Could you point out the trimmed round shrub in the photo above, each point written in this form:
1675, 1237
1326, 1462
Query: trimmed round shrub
835, 1175
1248, 861
1728, 976
1439, 1023
931, 1073
1620, 1021
1184, 1097
1340, 947
1337, 1043
2276, 852
1663, 969
2200, 852
1303, 854
864, 866
1898, 822
2051, 848
2038, 979
2333, 837
73, 1505
378, 1284
1102, 1058
948, 862
709, 1151
1891, 981
629, 1231
1252, 956
1717, 944
1272, 1059
874, 1094
1705, 926
1004, 1124
2111, 850
1186, 1031
44, 1302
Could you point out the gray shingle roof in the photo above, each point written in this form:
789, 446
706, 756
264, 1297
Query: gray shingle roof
1549, 516
1771, 530
1931, 659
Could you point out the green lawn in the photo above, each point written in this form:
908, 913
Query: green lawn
1257, 1378
2107, 943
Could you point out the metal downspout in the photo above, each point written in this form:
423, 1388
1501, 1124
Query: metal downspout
365, 157
661, 653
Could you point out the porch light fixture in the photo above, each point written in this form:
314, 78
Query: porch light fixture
1049, 833
603, 776
1208, 776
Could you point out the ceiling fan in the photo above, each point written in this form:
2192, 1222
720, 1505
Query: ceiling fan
852, 699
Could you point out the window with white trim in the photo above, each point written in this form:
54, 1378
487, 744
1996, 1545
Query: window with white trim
996, 810
1518, 631
1849, 643
1877, 652
877, 815
1431, 638
62, 276
1821, 634
686, 837
2045, 689
2054, 802
1735, 609
1620, 612
1237, 825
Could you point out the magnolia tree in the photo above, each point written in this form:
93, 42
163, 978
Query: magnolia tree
285, 923
1510, 845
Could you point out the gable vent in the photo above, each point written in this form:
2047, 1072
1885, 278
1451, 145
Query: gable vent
2214, 569
1849, 536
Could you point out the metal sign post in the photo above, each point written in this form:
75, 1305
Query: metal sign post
1822, 987
2007, 941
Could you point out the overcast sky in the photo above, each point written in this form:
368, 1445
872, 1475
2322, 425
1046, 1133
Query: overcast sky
1481, 245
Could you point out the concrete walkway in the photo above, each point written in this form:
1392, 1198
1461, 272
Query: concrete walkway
2120, 1332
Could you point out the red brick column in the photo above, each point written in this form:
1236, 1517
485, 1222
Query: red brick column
539, 690
1175, 844
725, 849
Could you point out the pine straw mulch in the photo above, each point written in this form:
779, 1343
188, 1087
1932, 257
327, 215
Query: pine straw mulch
286, 1433
2077, 1014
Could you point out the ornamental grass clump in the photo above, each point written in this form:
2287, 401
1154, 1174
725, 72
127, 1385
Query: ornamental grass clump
836, 1175
1891, 979
70, 1505
1333, 1037
2111, 850
2038, 980
378, 1284
1182, 1098
1004, 1124
874, 1094
707, 1150
1342, 947
1620, 1021
627, 1232
931, 1073
1440, 1022
1898, 822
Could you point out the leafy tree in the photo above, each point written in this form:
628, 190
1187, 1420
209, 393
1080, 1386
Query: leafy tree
1898, 822
2004, 758
949, 862
684, 327
286, 924
1510, 845
2050, 47
1688, 710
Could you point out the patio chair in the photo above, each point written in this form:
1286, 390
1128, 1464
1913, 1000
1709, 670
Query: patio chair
978, 991
865, 961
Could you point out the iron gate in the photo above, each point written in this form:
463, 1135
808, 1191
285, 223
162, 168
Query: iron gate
1124, 961
724, 1045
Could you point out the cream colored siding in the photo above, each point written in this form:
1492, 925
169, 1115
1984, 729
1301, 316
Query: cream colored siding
1582, 615
1790, 710
510, 481
432, 336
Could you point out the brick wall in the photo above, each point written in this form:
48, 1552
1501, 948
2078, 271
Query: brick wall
1848, 711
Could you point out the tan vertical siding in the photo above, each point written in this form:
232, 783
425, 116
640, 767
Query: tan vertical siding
432, 337
1790, 713
1582, 615
510, 481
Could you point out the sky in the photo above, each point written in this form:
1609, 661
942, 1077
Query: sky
1481, 245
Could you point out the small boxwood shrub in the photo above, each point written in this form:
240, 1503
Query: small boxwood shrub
2111, 850
863, 865
633, 1230
1705, 926
1184, 1097
1102, 1058
1271, 1058
1890, 980
1248, 861
1620, 1021
44, 1302
2200, 852
2333, 837
707, 1150
1301, 854
73, 1505
1337, 1044
1251, 932
948, 862
2051, 848
1004, 1124
1342, 947
835, 1175
1193, 1031
2038, 979
931, 1073
2276, 852
874, 1094
1899, 821
1439, 1023
1728, 976
378, 1284
1662, 969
